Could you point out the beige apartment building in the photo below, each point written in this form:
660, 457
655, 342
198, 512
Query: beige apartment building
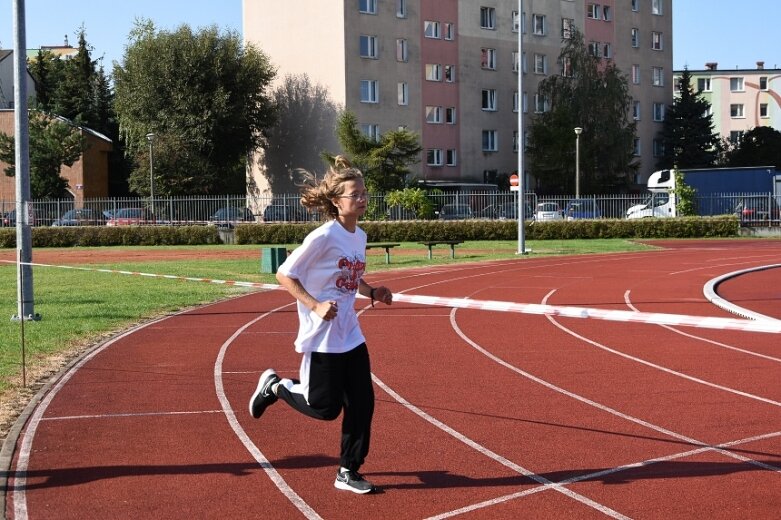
448, 69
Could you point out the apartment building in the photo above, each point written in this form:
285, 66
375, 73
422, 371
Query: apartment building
448, 69
740, 99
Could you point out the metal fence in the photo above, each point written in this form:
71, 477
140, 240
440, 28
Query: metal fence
753, 209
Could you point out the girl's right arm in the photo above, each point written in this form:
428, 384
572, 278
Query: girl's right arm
326, 310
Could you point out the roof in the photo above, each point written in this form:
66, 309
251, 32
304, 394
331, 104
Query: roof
4, 53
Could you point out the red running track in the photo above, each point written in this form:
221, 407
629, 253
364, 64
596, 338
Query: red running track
479, 414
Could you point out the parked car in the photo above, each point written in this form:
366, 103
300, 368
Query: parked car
507, 211
131, 217
81, 217
582, 208
757, 209
548, 211
228, 217
455, 212
285, 213
9, 218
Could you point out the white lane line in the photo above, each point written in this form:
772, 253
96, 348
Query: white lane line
629, 303
709, 290
140, 414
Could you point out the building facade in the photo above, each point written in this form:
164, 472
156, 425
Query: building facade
740, 99
448, 69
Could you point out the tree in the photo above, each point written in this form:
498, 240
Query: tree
203, 95
385, 162
53, 143
47, 70
687, 132
760, 146
594, 96
74, 97
306, 121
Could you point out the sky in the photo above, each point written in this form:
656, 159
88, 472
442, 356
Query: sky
703, 30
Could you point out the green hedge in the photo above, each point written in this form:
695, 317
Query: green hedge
411, 231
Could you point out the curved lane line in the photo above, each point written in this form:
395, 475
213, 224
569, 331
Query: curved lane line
711, 294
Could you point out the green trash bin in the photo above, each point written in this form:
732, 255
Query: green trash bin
271, 258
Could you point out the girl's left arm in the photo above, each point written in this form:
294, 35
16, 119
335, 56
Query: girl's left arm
379, 293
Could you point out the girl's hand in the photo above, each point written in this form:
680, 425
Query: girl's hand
383, 294
327, 310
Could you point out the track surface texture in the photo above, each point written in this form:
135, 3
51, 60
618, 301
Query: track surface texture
479, 414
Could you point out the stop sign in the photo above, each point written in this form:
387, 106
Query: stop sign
513, 180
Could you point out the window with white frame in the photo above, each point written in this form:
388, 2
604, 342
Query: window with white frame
736, 110
431, 29
367, 6
763, 83
402, 50
371, 131
566, 67
656, 41
515, 140
658, 112
403, 93
567, 26
516, 22
736, 136
703, 85
450, 73
488, 58
489, 99
658, 76
515, 101
368, 46
540, 104
657, 7
515, 63
607, 50
401, 8
635, 74
487, 18
433, 72
635, 37
595, 49
434, 157
636, 111
369, 91
539, 25
434, 114
635, 5
763, 110
658, 148
540, 64
490, 141
636, 147
607, 13
450, 31
736, 84
451, 157
450, 115
594, 11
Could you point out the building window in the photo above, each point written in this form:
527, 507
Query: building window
488, 18
451, 157
539, 25
490, 141
566, 67
433, 72
567, 25
656, 41
516, 22
450, 73
488, 58
763, 110
403, 94
703, 84
450, 31
736, 84
540, 64
431, 29
401, 8
658, 112
658, 148
525, 101
450, 115
367, 6
369, 91
636, 111
489, 100
763, 83
607, 51
402, 52
593, 11
540, 104
595, 49
635, 37
516, 62
368, 46
433, 114
736, 136
635, 74
371, 131
658, 76
635, 5
636, 147
607, 14
515, 101
434, 157
736, 110
656, 7
524, 66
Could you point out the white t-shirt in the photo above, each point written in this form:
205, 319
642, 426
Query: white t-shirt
329, 264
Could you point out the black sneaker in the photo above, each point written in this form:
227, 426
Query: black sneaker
263, 396
352, 481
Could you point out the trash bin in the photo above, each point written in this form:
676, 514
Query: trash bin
271, 258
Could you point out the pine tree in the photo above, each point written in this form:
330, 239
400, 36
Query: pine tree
687, 133
75, 94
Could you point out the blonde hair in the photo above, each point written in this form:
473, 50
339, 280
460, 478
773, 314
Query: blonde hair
319, 195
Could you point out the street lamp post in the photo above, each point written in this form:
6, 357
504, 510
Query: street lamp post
151, 137
578, 130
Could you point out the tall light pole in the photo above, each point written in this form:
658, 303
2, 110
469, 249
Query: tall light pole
521, 184
151, 137
578, 130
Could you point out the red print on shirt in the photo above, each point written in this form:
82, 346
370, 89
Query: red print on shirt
351, 272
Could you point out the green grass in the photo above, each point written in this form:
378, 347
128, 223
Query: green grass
81, 307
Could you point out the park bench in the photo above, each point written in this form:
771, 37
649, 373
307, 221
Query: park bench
431, 243
387, 246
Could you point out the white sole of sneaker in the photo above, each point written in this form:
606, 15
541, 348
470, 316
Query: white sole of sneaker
338, 484
261, 382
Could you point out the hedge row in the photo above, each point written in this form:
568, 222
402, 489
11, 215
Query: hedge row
412, 231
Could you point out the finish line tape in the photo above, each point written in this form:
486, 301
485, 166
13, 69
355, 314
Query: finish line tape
654, 318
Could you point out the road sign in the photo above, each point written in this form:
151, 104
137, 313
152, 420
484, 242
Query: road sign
514, 182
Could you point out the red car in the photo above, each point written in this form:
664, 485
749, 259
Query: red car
131, 217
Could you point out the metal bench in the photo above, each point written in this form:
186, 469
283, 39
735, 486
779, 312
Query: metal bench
385, 245
431, 243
